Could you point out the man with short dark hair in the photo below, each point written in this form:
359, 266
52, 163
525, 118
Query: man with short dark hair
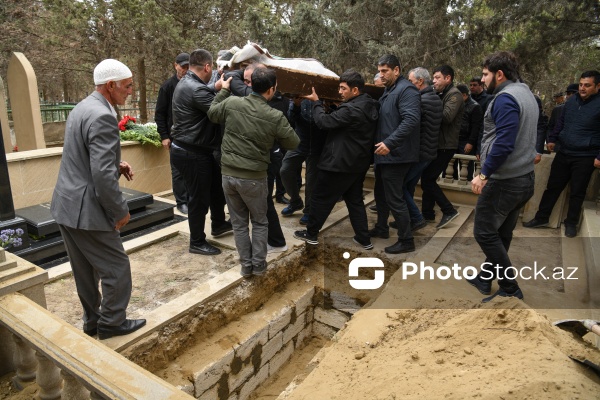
396, 149
443, 78
251, 128
163, 116
577, 140
345, 159
195, 141
479, 94
506, 181
471, 125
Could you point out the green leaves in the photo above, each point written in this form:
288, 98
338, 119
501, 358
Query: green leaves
145, 134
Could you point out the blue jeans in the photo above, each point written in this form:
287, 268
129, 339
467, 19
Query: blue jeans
496, 215
410, 183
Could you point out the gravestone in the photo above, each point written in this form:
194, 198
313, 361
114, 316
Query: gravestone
25, 103
48, 244
8, 220
4, 125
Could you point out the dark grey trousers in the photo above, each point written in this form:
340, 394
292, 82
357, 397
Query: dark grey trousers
99, 256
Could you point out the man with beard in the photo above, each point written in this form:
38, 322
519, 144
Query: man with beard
507, 179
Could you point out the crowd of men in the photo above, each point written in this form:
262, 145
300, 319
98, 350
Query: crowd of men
227, 132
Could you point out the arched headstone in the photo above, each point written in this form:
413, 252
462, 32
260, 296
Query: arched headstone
4, 126
25, 104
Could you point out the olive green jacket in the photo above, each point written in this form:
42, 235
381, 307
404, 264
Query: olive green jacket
251, 128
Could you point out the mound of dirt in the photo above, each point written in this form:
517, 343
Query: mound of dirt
503, 350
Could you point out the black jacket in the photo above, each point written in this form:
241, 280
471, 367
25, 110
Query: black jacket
163, 113
351, 126
472, 121
432, 110
483, 99
400, 123
192, 129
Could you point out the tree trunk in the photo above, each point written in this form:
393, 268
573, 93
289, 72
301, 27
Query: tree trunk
142, 103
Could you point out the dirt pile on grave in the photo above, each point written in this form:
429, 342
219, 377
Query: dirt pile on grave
502, 350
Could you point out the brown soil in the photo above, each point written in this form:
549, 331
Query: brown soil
442, 347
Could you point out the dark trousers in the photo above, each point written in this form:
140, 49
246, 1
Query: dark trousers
577, 170
280, 188
328, 189
98, 256
496, 215
291, 168
202, 175
179, 189
432, 192
389, 197
275, 236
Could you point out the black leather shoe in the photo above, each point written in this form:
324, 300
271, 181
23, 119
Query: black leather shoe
535, 223
91, 332
183, 208
282, 200
377, 233
222, 230
483, 287
401, 247
570, 231
130, 325
206, 249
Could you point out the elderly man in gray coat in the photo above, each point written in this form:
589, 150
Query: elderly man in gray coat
88, 205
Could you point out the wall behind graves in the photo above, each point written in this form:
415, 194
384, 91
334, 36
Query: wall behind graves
33, 173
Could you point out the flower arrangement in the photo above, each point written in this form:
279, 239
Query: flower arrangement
143, 133
11, 238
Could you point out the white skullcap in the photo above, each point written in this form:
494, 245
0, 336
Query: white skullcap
110, 70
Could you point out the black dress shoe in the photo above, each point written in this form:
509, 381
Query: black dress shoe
484, 287
222, 230
535, 223
91, 332
401, 247
282, 200
380, 234
205, 249
570, 231
183, 208
130, 325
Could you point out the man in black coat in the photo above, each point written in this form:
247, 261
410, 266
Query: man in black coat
345, 158
163, 116
396, 150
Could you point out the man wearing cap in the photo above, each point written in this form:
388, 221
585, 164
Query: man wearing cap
89, 208
163, 115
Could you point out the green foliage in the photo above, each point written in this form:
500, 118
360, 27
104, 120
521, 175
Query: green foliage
146, 133
64, 39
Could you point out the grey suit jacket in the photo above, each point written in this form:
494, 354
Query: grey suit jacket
87, 194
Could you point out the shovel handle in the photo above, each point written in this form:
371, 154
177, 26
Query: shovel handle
592, 326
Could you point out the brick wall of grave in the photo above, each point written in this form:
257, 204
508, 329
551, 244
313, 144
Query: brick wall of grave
239, 371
